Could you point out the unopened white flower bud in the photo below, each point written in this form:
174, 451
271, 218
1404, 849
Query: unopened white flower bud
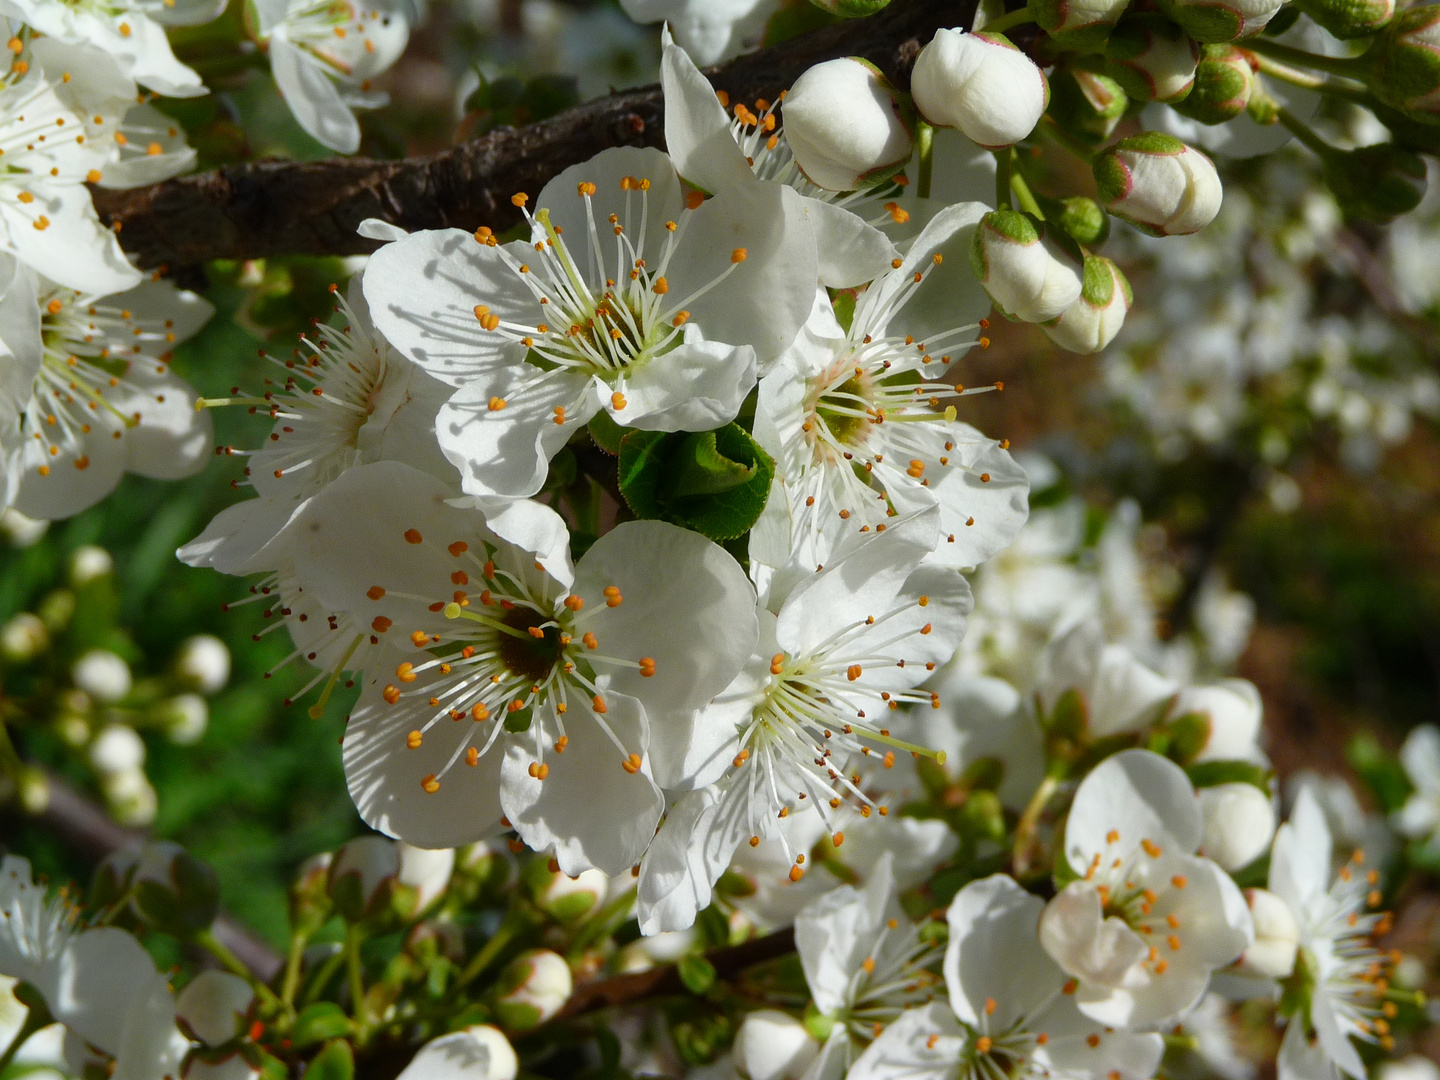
532, 989
88, 563
21, 531
175, 892
1152, 58
131, 797
1405, 61
185, 717
478, 1052
427, 871
981, 84
1277, 936
1213, 21
231, 1066
23, 638
1091, 322
363, 874
1233, 711
1413, 1067
773, 1045
564, 898
214, 1007
204, 662
1078, 22
117, 749
844, 126
1026, 273
1238, 824
1159, 184
102, 674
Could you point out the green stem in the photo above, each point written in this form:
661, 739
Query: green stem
925, 144
1024, 196
207, 940
353, 937
290, 986
1009, 21
1029, 824
1353, 67
1286, 73
491, 950
1003, 199
1067, 142
1302, 131
322, 977
36, 1017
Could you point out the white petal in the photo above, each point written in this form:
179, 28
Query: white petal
465, 1055
246, 538
1138, 795
950, 296
850, 252
313, 97
697, 131
1421, 758
173, 439
1301, 1059
1300, 859
607, 170
994, 953
74, 250
904, 1050
93, 983
696, 386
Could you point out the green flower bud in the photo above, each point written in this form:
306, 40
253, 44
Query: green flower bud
983, 816
851, 9
1216, 21
1159, 184
310, 904
1028, 275
532, 989
1224, 82
175, 892
1347, 19
112, 878
1152, 58
363, 876
214, 1007
1083, 219
1087, 103
1376, 183
1405, 62
23, 638
565, 899
1077, 24
1092, 322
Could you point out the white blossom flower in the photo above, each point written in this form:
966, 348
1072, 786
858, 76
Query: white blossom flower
865, 964
708, 30
100, 983
88, 563
1092, 321
773, 1045
1118, 692
846, 647
981, 84
130, 31
666, 334
1419, 818
1339, 976
324, 56
100, 398
1213, 1028
505, 638
477, 1052
867, 398
1147, 921
1011, 1010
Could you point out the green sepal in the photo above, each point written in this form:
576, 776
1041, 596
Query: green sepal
318, 1022
184, 906
335, 1062
1214, 773
697, 973
1346, 19
606, 433
1187, 736
1382, 773
714, 482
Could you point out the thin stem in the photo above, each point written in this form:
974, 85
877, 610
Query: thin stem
491, 950
925, 144
207, 940
1352, 66
322, 976
353, 937
290, 985
1303, 132
1002, 180
1030, 823
1024, 196
1286, 73
1009, 21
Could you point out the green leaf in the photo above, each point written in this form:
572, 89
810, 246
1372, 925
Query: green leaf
1213, 773
714, 482
697, 973
335, 1062
318, 1022
1380, 771
606, 433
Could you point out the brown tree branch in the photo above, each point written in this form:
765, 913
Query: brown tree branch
271, 208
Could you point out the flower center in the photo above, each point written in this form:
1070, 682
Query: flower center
529, 656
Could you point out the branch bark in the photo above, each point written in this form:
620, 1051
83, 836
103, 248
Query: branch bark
269, 208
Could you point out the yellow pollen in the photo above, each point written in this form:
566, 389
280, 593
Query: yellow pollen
519, 199
1151, 848
617, 399
983, 1044
598, 704
989, 1006
430, 785
739, 255
412, 536
589, 640
406, 672
631, 764
496, 404
413, 740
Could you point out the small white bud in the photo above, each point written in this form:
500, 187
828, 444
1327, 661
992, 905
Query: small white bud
427, 871
214, 1007
21, 531
204, 662
1238, 824
1152, 58
231, 1066
1158, 183
102, 675
23, 638
981, 84
1091, 322
88, 563
478, 1052
1277, 936
117, 749
772, 1045
1078, 22
362, 876
1027, 274
1209, 21
131, 798
1234, 710
843, 125
532, 989
1413, 1067
568, 899
185, 717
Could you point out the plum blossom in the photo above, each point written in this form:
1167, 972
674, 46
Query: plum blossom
838, 654
1419, 818
324, 56
95, 392
708, 30
867, 398
1011, 1010
1147, 921
554, 690
664, 325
